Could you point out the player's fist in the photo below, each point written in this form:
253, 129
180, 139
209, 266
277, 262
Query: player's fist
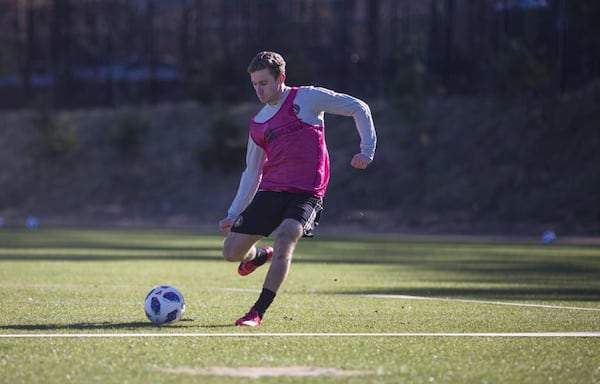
360, 161
226, 224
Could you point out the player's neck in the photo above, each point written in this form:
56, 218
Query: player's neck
280, 92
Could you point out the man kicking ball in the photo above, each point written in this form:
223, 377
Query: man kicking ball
286, 175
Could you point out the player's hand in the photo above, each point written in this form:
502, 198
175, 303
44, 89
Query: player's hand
360, 161
226, 224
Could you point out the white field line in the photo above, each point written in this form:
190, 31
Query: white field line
239, 290
407, 297
405, 334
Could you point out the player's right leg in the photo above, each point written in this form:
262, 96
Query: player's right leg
262, 256
240, 246
257, 221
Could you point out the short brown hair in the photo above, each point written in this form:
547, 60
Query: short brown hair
272, 61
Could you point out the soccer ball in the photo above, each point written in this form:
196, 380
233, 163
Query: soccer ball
164, 304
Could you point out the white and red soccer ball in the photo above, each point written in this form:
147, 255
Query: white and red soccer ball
164, 304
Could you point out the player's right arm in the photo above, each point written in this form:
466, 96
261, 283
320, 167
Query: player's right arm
249, 181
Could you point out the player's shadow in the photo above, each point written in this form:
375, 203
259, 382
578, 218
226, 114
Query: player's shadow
107, 326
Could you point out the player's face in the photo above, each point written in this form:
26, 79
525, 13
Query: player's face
268, 88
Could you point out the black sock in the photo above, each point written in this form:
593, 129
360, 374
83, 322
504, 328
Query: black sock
261, 257
264, 301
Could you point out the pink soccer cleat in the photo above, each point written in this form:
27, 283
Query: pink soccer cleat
247, 267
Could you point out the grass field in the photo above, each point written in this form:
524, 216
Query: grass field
354, 310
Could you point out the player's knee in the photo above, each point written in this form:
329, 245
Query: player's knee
290, 231
230, 253
229, 256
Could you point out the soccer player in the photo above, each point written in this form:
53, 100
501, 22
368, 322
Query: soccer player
286, 175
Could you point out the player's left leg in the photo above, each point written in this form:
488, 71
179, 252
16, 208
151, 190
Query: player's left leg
300, 214
288, 234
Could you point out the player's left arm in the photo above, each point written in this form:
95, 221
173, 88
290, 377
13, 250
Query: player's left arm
360, 161
342, 104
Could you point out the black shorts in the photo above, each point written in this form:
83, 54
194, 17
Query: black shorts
268, 209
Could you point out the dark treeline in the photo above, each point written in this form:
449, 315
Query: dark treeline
77, 53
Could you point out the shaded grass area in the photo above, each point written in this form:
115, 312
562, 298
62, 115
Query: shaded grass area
94, 281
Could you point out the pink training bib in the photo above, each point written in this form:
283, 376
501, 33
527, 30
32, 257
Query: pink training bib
297, 159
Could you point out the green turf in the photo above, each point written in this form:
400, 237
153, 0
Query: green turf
92, 281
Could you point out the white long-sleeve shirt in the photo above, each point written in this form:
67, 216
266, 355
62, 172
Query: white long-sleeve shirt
312, 103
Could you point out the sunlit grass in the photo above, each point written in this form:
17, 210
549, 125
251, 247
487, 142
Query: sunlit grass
94, 281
